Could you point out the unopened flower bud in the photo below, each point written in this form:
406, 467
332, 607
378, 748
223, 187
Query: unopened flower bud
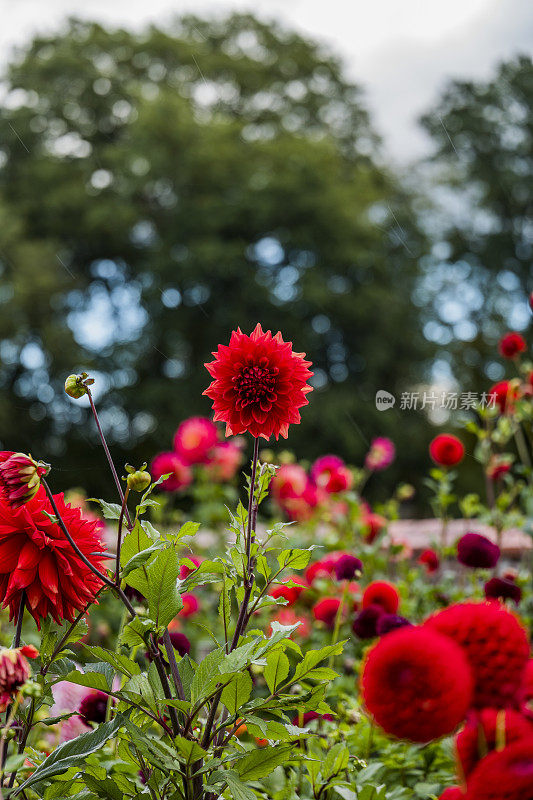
138, 479
76, 385
20, 478
14, 671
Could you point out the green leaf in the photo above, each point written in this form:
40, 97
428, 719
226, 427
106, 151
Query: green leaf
260, 763
239, 791
238, 692
109, 510
312, 658
73, 753
207, 675
140, 559
189, 751
276, 670
295, 558
93, 680
163, 597
119, 662
134, 633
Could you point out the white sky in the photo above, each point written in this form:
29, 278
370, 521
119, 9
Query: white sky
401, 51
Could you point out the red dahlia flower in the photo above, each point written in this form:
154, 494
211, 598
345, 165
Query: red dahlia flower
492, 729
381, 593
430, 560
416, 684
190, 605
476, 551
14, 671
446, 450
259, 384
373, 524
453, 793
289, 481
194, 439
365, 625
180, 473
20, 477
504, 775
326, 610
224, 460
36, 558
289, 593
348, 567
511, 345
287, 616
504, 395
187, 568
331, 474
390, 622
503, 589
496, 645
498, 467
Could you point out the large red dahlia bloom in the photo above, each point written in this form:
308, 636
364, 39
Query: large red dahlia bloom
496, 645
504, 775
36, 558
486, 731
416, 684
259, 384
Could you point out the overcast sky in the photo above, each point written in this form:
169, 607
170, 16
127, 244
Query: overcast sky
401, 51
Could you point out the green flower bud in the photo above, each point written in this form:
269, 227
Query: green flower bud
76, 385
139, 480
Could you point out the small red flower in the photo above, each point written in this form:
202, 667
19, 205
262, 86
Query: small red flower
36, 558
188, 568
194, 439
289, 481
259, 384
496, 645
326, 610
373, 524
511, 345
180, 473
504, 395
331, 474
289, 593
489, 727
381, 593
476, 551
190, 605
20, 477
498, 466
430, 560
446, 450
416, 684
180, 642
14, 671
504, 775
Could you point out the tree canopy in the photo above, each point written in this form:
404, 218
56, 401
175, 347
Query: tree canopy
157, 190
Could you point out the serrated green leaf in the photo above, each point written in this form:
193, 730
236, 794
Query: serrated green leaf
109, 510
163, 597
260, 763
276, 670
119, 662
238, 692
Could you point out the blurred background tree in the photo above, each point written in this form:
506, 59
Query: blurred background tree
479, 275
159, 189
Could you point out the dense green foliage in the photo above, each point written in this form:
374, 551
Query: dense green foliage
159, 189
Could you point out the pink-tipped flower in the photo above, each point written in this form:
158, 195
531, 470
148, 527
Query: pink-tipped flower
20, 477
14, 671
331, 474
512, 344
381, 454
179, 473
224, 460
194, 439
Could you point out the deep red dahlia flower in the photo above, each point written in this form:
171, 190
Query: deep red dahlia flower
326, 610
512, 344
348, 567
194, 439
503, 589
36, 558
365, 624
504, 775
476, 551
331, 474
446, 450
171, 464
488, 730
416, 684
287, 616
390, 622
180, 643
381, 593
259, 384
93, 707
310, 716
289, 593
496, 645
430, 560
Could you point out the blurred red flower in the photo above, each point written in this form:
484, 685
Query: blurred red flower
259, 384
512, 344
190, 605
381, 454
37, 558
504, 394
430, 560
496, 645
381, 593
290, 593
326, 610
489, 726
331, 474
171, 464
446, 450
416, 684
194, 439
14, 671
224, 460
504, 775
